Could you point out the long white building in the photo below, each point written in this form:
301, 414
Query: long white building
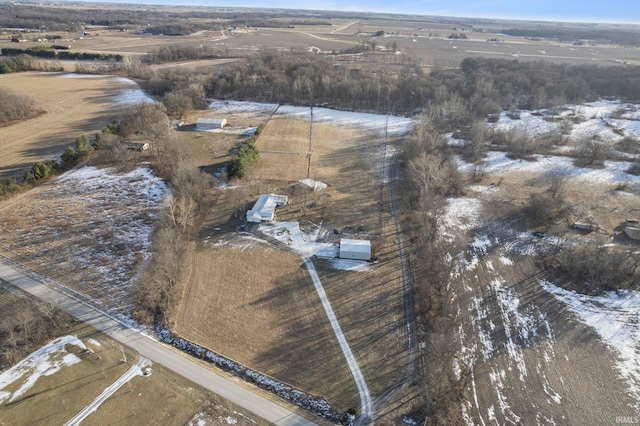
264, 210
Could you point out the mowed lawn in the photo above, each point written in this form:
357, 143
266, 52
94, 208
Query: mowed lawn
255, 304
72, 107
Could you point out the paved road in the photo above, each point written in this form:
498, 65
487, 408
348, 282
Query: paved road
156, 351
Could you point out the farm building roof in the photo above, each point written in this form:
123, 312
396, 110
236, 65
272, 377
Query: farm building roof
355, 249
212, 121
264, 209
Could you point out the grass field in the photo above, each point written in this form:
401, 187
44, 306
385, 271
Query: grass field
255, 303
73, 106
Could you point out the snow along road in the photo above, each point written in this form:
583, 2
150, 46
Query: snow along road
154, 350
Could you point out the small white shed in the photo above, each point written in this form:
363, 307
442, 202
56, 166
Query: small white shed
355, 249
203, 124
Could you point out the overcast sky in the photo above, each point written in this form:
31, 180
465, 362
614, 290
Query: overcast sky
627, 11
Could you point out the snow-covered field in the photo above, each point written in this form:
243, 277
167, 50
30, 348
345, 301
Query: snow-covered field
598, 119
391, 124
496, 327
497, 163
93, 226
502, 329
615, 316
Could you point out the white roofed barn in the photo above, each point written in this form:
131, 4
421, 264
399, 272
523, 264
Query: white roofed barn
355, 249
203, 124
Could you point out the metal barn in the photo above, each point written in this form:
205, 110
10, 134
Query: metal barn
210, 123
355, 249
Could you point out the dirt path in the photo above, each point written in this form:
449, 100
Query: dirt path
366, 405
135, 370
296, 246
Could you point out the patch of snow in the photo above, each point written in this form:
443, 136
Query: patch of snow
234, 107
244, 131
496, 378
484, 189
506, 261
515, 324
119, 212
46, 361
460, 214
132, 97
289, 233
615, 316
555, 396
77, 75
391, 124
350, 265
497, 163
93, 342
531, 124
451, 141
409, 421
314, 185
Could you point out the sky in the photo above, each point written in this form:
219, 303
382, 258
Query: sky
615, 11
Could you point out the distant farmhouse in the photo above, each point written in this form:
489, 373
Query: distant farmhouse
264, 210
355, 249
203, 124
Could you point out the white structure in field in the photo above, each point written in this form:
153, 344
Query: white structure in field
264, 210
210, 123
355, 249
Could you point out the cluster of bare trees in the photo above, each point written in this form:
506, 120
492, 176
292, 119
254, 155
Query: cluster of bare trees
432, 177
26, 325
158, 287
595, 265
15, 107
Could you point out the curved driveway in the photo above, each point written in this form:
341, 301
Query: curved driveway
155, 351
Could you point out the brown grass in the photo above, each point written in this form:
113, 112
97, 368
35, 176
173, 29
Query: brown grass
73, 106
256, 305
163, 398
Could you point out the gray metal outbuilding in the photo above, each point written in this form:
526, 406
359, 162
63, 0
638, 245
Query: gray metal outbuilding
355, 249
210, 123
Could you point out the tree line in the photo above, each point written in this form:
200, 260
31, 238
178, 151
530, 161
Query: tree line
53, 53
578, 35
478, 88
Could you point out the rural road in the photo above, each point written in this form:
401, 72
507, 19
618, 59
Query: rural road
155, 351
